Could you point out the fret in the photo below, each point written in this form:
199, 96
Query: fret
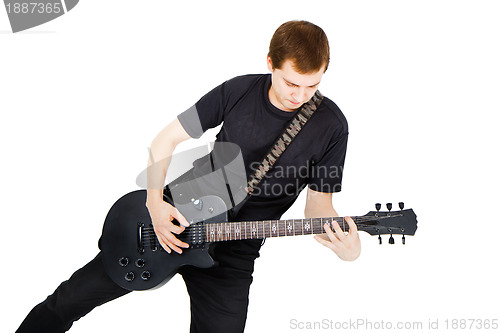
282, 228
274, 228
219, 232
346, 225
212, 232
308, 229
329, 223
321, 229
227, 232
338, 222
298, 230
289, 228
249, 229
267, 229
254, 229
237, 228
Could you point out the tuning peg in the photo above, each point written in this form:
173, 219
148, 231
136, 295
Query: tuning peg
391, 240
401, 205
404, 240
378, 206
389, 206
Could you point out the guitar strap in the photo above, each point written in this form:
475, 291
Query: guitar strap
284, 140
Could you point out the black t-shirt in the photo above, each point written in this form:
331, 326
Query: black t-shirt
315, 158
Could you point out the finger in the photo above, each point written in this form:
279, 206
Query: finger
338, 231
165, 246
177, 229
333, 236
176, 243
180, 218
326, 243
173, 247
168, 240
353, 228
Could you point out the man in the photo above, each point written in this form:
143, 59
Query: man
254, 110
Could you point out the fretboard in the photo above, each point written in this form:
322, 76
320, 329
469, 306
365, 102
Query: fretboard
226, 231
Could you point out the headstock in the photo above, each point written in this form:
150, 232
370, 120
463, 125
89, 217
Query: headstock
399, 222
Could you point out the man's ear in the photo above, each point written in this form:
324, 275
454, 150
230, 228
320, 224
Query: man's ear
270, 64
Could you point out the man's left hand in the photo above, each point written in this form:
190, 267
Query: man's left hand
347, 246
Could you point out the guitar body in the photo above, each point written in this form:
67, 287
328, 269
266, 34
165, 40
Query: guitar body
131, 254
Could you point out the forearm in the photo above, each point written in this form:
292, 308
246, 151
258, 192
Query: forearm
159, 159
319, 205
321, 211
156, 172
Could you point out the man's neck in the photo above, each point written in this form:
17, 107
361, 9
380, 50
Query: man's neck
274, 100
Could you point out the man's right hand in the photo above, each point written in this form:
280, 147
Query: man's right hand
162, 214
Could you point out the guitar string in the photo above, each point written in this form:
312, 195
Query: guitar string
149, 235
152, 235
193, 229
357, 220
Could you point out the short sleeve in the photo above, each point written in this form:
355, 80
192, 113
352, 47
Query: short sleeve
207, 113
326, 174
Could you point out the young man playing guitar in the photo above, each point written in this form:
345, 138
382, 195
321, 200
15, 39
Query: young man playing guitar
254, 111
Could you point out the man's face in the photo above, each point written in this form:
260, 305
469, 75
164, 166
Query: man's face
290, 89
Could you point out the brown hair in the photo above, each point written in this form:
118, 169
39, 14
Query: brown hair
302, 42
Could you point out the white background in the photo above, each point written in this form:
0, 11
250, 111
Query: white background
82, 97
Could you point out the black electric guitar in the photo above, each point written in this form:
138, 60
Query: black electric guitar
134, 259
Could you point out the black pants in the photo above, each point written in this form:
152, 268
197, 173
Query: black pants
218, 295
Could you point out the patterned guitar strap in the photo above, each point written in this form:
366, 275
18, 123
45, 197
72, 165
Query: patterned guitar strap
284, 140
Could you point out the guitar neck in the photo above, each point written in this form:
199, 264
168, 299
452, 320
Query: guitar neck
226, 231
